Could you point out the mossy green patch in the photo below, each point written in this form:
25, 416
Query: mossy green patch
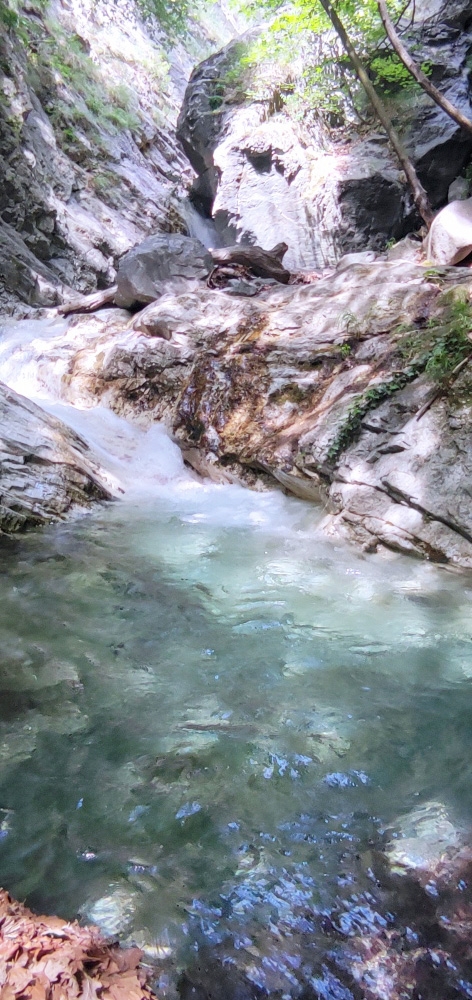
445, 339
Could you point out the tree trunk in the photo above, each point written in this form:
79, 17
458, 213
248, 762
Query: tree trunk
420, 197
417, 72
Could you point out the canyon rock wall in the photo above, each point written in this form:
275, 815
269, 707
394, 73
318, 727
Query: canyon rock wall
266, 175
89, 160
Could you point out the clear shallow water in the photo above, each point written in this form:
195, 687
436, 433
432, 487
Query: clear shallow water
208, 716
198, 701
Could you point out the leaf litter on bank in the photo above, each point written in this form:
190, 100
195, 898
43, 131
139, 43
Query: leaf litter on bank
46, 958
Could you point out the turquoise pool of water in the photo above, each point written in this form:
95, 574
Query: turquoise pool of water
201, 703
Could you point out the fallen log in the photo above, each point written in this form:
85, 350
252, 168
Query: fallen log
89, 303
262, 263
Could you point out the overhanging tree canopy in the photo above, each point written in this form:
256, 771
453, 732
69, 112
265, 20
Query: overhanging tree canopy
367, 32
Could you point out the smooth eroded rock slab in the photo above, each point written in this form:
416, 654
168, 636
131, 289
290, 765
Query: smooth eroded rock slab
450, 237
45, 468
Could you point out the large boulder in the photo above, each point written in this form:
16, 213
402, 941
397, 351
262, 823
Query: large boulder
255, 174
145, 271
450, 237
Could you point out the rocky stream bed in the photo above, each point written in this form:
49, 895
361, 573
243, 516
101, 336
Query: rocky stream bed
235, 717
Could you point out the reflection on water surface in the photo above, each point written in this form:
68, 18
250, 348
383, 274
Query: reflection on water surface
209, 720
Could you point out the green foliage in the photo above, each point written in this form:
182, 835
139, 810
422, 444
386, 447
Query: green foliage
451, 342
8, 17
108, 108
216, 99
69, 134
104, 182
351, 323
435, 350
173, 16
11, 19
389, 73
327, 81
444, 343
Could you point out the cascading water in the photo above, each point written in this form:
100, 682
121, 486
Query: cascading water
208, 716
199, 227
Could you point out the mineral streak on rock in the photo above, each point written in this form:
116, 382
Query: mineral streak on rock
318, 385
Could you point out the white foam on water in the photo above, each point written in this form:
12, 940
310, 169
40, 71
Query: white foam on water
135, 460
34, 361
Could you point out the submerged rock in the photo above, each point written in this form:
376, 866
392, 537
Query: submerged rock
426, 843
113, 912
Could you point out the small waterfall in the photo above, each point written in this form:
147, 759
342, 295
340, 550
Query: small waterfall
35, 359
199, 227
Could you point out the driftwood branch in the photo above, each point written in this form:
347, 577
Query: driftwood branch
88, 303
420, 197
262, 263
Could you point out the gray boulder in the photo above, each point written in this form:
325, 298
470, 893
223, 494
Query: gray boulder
145, 271
450, 237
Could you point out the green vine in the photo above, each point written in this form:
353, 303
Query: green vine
435, 350
369, 400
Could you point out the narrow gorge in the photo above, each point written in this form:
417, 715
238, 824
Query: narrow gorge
235, 515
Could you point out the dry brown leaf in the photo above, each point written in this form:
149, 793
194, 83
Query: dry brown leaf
90, 989
45, 958
8, 993
38, 991
123, 991
128, 959
18, 979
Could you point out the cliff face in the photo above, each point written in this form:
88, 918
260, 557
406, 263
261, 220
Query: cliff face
89, 160
266, 173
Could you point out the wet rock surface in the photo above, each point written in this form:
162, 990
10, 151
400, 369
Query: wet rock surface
45, 469
319, 385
